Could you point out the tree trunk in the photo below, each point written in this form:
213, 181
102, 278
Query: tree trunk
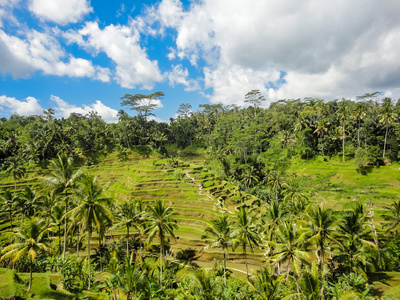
30, 276
161, 262
77, 244
65, 229
11, 229
247, 267
224, 269
358, 135
127, 242
343, 140
384, 147
89, 235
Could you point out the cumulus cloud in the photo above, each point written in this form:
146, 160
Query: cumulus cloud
64, 109
42, 51
29, 106
231, 83
325, 48
60, 11
121, 44
178, 75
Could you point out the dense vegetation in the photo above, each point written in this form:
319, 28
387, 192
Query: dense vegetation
310, 250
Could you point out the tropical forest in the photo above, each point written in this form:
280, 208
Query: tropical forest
298, 199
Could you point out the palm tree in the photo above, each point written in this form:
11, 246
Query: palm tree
92, 211
219, 235
291, 246
274, 181
393, 215
8, 200
387, 117
322, 225
355, 234
61, 179
133, 279
204, 284
128, 217
245, 234
267, 285
15, 168
160, 221
343, 114
31, 238
320, 128
359, 113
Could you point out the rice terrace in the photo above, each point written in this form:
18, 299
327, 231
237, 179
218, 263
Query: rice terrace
199, 149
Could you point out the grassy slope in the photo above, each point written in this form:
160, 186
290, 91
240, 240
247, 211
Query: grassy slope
334, 183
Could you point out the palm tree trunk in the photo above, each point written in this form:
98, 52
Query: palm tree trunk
65, 229
384, 147
247, 267
127, 242
77, 244
30, 276
358, 135
343, 140
89, 235
161, 262
11, 229
224, 269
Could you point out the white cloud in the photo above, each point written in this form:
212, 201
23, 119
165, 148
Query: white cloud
326, 48
121, 44
29, 106
64, 109
231, 83
60, 11
42, 51
178, 75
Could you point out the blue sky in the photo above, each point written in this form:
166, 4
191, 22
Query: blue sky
80, 55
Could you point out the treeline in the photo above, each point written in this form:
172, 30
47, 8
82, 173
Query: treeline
244, 139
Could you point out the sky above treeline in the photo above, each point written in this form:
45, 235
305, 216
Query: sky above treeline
80, 55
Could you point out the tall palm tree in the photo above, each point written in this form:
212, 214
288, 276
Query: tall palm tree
204, 284
291, 246
8, 200
92, 210
355, 235
31, 238
245, 234
219, 235
343, 114
16, 168
127, 216
320, 128
359, 114
322, 226
393, 215
267, 285
387, 118
61, 179
160, 222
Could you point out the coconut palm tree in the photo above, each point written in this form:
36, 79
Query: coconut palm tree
160, 222
322, 229
204, 284
61, 179
30, 239
387, 118
16, 168
8, 200
359, 114
343, 114
219, 235
245, 234
92, 211
291, 246
393, 215
267, 285
320, 128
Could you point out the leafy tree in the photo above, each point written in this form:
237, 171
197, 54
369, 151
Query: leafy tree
8, 200
160, 221
16, 168
30, 239
267, 285
387, 118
